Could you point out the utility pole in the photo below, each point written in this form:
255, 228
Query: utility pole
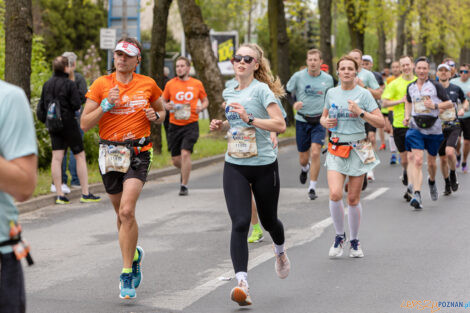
124, 18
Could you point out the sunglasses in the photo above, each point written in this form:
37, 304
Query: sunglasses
238, 58
463, 72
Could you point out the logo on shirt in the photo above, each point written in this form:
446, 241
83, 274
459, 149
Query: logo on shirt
310, 91
184, 96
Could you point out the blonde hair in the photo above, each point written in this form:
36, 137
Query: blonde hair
263, 73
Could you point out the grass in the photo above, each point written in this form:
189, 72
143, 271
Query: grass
208, 144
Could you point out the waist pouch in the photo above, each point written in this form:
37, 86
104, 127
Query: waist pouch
425, 121
340, 149
312, 120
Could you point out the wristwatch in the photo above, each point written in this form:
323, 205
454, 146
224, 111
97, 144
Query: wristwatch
362, 114
251, 119
157, 115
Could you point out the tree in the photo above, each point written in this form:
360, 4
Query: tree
279, 47
325, 33
157, 57
18, 42
205, 62
356, 13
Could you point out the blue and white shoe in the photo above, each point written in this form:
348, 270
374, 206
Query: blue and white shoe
336, 249
126, 286
355, 250
137, 267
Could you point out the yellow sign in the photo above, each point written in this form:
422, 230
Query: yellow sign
225, 50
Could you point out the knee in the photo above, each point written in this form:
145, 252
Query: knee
269, 224
126, 214
185, 154
241, 225
353, 199
315, 154
336, 195
418, 161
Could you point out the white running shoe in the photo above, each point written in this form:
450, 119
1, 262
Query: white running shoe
282, 265
241, 294
65, 188
355, 250
336, 249
370, 176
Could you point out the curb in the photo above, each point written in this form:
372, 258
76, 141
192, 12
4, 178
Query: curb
75, 194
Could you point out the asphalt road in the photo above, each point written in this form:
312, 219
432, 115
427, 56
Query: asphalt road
409, 255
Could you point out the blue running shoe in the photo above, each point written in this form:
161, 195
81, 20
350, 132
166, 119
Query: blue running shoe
137, 267
393, 159
126, 286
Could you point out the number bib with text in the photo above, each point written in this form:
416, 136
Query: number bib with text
419, 106
114, 159
242, 142
182, 111
448, 115
365, 151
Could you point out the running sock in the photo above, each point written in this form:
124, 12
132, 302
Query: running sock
278, 249
458, 158
464, 164
337, 214
354, 220
452, 174
257, 227
313, 185
391, 142
126, 270
184, 185
447, 180
306, 167
431, 182
136, 255
242, 276
417, 192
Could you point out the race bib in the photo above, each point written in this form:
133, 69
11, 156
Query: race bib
242, 142
365, 151
182, 111
114, 158
448, 115
420, 107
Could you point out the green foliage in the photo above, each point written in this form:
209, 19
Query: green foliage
89, 64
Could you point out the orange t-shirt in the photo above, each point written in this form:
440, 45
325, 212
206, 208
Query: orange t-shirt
126, 120
183, 92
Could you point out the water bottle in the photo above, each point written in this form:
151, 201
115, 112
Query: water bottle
333, 113
51, 114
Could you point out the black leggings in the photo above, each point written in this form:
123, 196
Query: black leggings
264, 180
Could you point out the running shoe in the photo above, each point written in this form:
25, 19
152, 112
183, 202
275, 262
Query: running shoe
416, 202
126, 286
370, 176
336, 249
355, 250
256, 236
65, 188
454, 184
382, 147
282, 265
303, 175
404, 178
408, 194
183, 191
90, 198
311, 194
393, 159
137, 267
433, 191
61, 200
241, 294
465, 169
447, 190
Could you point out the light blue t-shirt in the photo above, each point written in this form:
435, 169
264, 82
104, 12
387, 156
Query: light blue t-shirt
255, 99
17, 139
310, 90
350, 126
368, 79
465, 86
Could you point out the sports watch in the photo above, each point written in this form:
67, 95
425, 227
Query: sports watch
362, 114
251, 119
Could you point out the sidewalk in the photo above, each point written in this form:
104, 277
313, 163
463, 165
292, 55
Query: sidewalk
75, 194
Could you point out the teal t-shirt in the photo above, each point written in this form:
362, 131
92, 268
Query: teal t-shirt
368, 79
465, 86
17, 139
255, 99
350, 126
310, 90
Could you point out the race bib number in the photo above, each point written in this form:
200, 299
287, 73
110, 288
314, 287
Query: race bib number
182, 111
242, 142
365, 151
448, 115
420, 107
114, 159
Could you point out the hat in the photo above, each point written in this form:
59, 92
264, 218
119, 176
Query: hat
324, 67
450, 63
443, 65
128, 48
367, 57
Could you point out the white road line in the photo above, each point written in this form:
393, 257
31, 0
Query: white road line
376, 193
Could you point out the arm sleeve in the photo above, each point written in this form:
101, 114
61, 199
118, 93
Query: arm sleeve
388, 93
166, 92
290, 87
373, 84
82, 87
267, 96
461, 95
75, 98
369, 102
408, 96
95, 91
327, 99
441, 92
202, 91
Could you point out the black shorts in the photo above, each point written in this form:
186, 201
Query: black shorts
451, 137
69, 137
182, 137
465, 126
399, 135
12, 295
114, 181
370, 128
390, 117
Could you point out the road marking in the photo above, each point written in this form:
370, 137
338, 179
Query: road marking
376, 193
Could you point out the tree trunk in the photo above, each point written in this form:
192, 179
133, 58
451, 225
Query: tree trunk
356, 17
325, 32
423, 37
157, 58
280, 47
382, 52
205, 62
465, 54
402, 13
18, 43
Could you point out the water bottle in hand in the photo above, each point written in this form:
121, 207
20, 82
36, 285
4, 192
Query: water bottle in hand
333, 113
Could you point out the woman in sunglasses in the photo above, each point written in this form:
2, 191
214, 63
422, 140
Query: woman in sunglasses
252, 112
355, 106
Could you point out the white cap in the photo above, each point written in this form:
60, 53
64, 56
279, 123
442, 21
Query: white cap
367, 57
447, 67
128, 48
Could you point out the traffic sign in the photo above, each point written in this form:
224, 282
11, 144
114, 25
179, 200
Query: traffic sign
107, 38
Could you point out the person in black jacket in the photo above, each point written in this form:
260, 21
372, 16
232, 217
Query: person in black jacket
60, 89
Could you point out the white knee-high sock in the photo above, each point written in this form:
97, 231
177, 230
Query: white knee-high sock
337, 214
354, 220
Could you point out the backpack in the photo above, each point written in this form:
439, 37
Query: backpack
54, 117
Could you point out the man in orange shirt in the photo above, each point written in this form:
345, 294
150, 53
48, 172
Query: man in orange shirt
123, 104
181, 97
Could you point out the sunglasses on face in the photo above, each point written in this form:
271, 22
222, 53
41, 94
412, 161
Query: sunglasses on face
463, 71
238, 58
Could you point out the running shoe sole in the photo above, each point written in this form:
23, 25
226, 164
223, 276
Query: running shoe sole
239, 296
256, 240
82, 200
356, 253
126, 297
415, 203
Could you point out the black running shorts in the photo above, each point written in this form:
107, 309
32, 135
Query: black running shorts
451, 137
399, 135
182, 137
69, 137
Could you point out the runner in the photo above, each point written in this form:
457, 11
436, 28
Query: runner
394, 96
389, 123
424, 99
309, 87
367, 80
252, 112
123, 104
464, 83
355, 106
396, 72
450, 129
181, 97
